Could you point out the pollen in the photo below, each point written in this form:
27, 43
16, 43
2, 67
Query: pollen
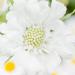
9, 66
34, 36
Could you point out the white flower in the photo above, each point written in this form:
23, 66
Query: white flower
37, 29
33, 15
38, 32
39, 23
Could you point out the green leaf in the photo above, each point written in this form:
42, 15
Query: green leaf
3, 18
71, 5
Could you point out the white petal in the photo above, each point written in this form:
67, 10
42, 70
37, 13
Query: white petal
32, 12
50, 61
69, 32
58, 9
56, 40
67, 68
29, 62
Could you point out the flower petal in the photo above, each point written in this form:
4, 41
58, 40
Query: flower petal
58, 9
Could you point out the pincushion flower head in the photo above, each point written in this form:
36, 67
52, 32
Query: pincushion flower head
4, 9
35, 17
38, 31
41, 24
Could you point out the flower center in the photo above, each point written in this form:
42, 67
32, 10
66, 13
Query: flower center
9, 66
1, 3
34, 36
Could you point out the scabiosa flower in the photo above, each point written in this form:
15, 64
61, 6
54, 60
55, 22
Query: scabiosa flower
38, 32
42, 28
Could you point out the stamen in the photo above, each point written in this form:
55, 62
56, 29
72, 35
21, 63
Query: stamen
34, 36
9, 66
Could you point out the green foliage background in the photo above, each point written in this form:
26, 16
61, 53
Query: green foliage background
71, 5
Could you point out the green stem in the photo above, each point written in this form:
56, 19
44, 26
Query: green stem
8, 58
68, 15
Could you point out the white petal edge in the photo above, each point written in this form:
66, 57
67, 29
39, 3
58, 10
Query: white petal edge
58, 8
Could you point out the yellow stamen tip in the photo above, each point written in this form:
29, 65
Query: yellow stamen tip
9, 66
34, 36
